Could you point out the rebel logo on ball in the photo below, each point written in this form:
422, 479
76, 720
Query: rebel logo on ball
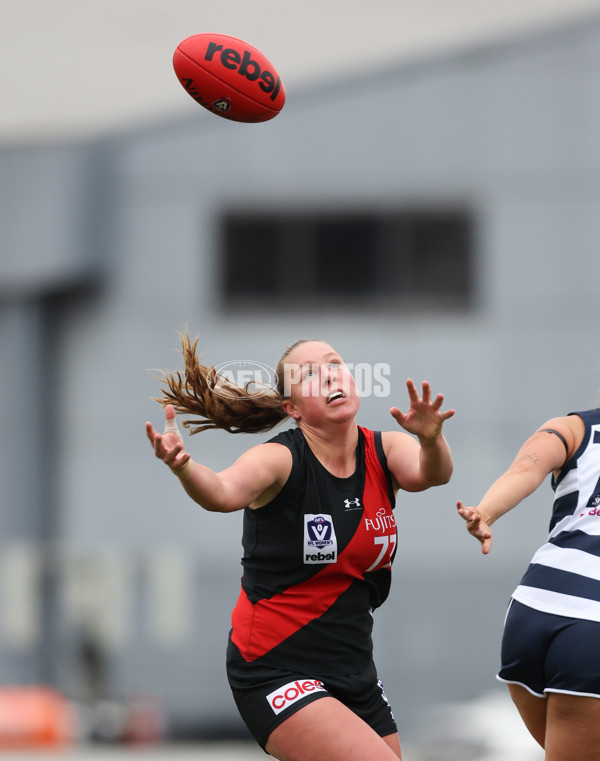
246, 67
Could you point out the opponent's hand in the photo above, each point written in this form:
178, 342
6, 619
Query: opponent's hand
424, 417
168, 446
476, 525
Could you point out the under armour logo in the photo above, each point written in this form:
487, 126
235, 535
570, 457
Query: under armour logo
352, 504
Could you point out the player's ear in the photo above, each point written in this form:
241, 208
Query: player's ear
291, 409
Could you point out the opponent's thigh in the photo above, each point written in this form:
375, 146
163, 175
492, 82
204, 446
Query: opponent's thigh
532, 710
572, 728
326, 730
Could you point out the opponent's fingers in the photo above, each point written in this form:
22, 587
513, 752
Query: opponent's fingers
485, 538
475, 529
473, 522
473, 519
465, 512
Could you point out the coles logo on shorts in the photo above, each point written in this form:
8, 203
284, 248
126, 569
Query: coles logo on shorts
291, 692
320, 541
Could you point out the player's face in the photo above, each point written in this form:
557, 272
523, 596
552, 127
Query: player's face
317, 382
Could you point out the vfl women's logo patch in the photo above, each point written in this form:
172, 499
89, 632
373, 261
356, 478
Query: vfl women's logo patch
320, 542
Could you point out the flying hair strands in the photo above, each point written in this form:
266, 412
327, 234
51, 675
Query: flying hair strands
216, 402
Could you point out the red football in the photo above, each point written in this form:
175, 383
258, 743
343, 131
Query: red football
229, 77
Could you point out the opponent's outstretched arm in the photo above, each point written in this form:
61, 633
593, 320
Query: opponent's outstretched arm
543, 452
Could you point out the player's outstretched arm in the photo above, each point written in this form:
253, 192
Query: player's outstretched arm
254, 479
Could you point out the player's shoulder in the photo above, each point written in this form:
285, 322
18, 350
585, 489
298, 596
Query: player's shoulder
288, 436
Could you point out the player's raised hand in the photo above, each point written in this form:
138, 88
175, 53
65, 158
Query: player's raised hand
424, 417
168, 446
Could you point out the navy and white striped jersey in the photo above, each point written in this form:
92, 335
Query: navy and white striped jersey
564, 575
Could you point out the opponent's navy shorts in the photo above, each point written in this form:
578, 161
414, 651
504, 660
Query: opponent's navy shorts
547, 653
267, 696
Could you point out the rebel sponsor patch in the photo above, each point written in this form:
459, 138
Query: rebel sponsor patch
290, 693
320, 542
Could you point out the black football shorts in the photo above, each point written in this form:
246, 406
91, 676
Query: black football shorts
267, 696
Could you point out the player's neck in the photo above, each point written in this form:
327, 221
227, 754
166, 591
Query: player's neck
334, 447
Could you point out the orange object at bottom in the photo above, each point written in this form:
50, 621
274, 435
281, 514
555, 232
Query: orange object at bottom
34, 717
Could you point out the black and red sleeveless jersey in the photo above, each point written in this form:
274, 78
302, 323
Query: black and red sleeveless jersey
317, 560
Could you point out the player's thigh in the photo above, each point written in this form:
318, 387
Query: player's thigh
326, 730
572, 728
393, 741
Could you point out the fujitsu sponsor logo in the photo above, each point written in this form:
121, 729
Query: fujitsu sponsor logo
290, 693
382, 522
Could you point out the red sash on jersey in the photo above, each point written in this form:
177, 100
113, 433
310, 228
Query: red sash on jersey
259, 627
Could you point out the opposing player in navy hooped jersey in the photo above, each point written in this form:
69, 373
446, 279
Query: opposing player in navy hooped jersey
550, 656
319, 539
